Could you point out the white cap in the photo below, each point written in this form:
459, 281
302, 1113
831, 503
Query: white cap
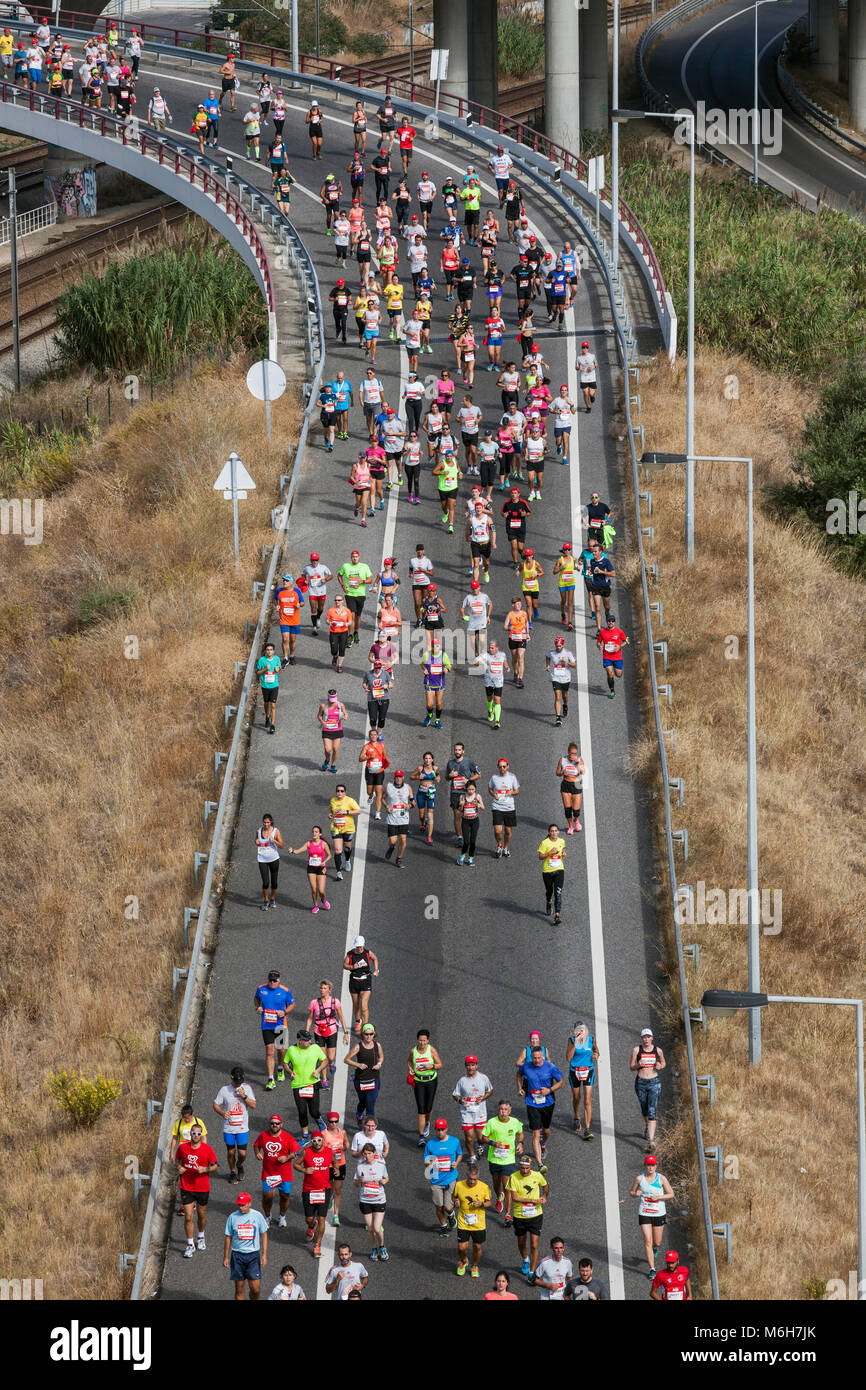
359, 941
644, 1032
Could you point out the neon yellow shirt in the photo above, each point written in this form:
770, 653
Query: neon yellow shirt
553, 851
469, 1216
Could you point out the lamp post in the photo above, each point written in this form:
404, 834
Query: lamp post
721, 1003
756, 127
656, 461
614, 139
689, 116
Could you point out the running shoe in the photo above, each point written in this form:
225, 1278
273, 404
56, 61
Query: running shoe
374, 1253
475, 1272
471, 863
499, 1206
317, 1252
200, 1245
461, 859
270, 1084
282, 1221
189, 1251
335, 1220
524, 1268
383, 1254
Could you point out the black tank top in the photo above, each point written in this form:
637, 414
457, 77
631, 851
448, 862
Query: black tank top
359, 969
367, 1055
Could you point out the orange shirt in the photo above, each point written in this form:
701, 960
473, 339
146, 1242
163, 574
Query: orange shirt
515, 623
389, 619
289, 606
375, 753
338, 619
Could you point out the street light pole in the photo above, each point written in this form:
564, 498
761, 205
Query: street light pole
614, 140
756, 126
411, 43
13, 266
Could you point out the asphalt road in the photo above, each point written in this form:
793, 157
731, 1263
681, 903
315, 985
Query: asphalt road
711, 59
468, 953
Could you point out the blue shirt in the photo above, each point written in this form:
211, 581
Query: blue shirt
599, 570
582, 1056
585, 560
379, 421
342, 391
327, 399
273, 999
545, 1075
557, 282
569, 261
439, 1149
212, 108
425, 283
451, 232
246, 1231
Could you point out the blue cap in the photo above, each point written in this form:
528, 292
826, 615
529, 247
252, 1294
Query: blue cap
288, 579
465, 260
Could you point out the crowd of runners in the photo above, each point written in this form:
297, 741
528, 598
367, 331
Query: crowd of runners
425, 266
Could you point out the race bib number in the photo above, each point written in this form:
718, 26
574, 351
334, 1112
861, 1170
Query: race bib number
675, 1296
649, 1207
316, 1197
367, 1085
371, 1191
530, 1209
515, 521
539, 1097
582, 1073
443, 1165
273, 1181
554, 861
307, 1092
339, 821
501, 1151
374, 765
471, 1218
246, 1231
236, 1117
270, 1015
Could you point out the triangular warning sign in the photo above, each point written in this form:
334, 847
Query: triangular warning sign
242, 478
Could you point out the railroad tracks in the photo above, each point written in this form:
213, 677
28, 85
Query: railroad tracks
42, 278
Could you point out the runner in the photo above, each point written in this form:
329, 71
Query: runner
289, 600
488, 451
611, 640
435, 665
387, 118
357, 170
234, 1102
227, 73
516, 624
339, 620
672, 1284
252, 128
288, 1290
331, 714
398, 799
337, 1141
282, 188
562, 408
495, 668
565, 570
347, 1275
471, 1198
268, 669
328, 414
195, 1161
476, 608
470, 196
371, 1178
279, 112
526, 1193
355, 579
647, 1060
600, 573
470, 807
442, 1158
587, 367
426, 774
372, 325
534, 445
363, 256
376, 761
654, 1191
316, 1162
504, 788
273, 1003
557, 283
362, 966
421, 571
325, 1018
275, 1147
571, 769
366, 1058
459, 769
552, 853
406, 134
581, 1054
371, 1134
313, 121
504, 1135
359, 127
245, 1252
499, 165
584, 1287
343, 810
425, 1065
489, 238
515, 510
559, 664
376, 686
540, 1080
318, 853
381, 166
500, 1291
554, 1272
472, 1092
481, 535
598, 516
307, 1065
317, 576
181, 1132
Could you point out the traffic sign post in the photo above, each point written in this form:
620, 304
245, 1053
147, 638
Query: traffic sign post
595, 183
234, 482
438, 68
266, 380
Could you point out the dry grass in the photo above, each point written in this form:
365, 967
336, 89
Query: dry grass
106, 765
788, 1128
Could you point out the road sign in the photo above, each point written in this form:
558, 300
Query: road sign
595, 174
235, 483
662, 460
439, 64
266, 380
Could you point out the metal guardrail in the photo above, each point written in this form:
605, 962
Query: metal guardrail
28, 222
814, 115
507, 130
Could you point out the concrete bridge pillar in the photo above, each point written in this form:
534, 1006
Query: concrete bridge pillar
594, 107
563, 93
827, 22
857, 62
468, 29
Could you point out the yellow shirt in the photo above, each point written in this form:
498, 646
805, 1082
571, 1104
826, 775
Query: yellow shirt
343, 812
394, 295
566, 572
183, 1127
526, 1192
553, 851
360, 305
530, 577
423, 310
7, 43
469, 1216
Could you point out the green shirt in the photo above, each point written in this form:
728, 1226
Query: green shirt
356, 578
268, 669
448, 477
503, 1136
471, 198
303, 1062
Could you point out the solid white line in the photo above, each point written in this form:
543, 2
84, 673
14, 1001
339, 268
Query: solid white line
340, 1080
590, 840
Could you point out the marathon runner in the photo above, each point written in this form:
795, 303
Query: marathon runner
371, 1177
318, 853
359, 127
436, 663
195, 1161
526, 1193
515, 510
275, 1147
398, 800
504, 788
325, 1018
495, 668
376, 761
421, 571
571, 769
581, 1054
362, 964
355, 579
339, 620
554, 1271
565, 570
516, 624
273, 1003
268, 669
365, 1059
471, 807
504, 1135
587, 366
654, 1191
316, 1162
426, 774
307, 1065
343, 809
442, 1158
472, 1091
600, 572
471, 1198
458, 771
481, 535
330, 715
552, 853
540, 1080
425, 1065
376, 686
337, 1141
313, 121
647, 1060
317, 576
234, 1102
611, 640
559, 664
476, 608
672, 1284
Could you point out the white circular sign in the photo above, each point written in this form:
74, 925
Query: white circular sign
265, 373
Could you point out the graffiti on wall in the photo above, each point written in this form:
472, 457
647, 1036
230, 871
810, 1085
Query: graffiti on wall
75, 192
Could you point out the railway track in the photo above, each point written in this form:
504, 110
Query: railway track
42, 278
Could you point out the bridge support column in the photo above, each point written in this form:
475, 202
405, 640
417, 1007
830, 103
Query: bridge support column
857, 62
563, 94
594, 111
827, 63
468, 29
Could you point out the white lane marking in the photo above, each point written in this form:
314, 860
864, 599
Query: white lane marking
340, 1082
794, 126
590, 841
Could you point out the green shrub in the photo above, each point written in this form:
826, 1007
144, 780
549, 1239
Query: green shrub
273, 29
151, 311
521, 44
83, 1098
369, 45
831, 461
34, 459
97, 604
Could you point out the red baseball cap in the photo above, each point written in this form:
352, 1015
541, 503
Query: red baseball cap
431, 588
314, 556
501, 760
356, 552
471, 1058
341, 282
535, 347
566, 545
672, 1258
242, 1199
275, 1117
529, 551
559, 641
650, 1160
516, 489
584, 345
333, 1115
441, 1124
398, 773
475, 584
